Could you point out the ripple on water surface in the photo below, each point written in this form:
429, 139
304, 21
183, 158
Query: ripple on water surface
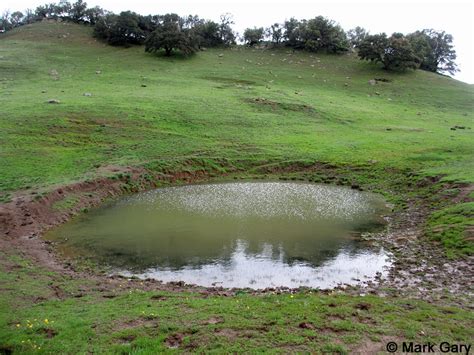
252, 234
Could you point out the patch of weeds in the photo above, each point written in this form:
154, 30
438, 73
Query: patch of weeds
66, 203
351, 338
230, 81
451, 226
334, 349
275, 106
450, 192
5, 197
344, 325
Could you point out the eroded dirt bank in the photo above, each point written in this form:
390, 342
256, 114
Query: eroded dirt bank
420, 268
29, 215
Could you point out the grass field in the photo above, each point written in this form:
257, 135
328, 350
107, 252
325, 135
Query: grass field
222, 110
315, 107
126, 319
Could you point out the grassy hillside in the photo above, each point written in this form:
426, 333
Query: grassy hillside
251, 105
238, 111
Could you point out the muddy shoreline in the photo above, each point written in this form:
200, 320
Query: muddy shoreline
419, 270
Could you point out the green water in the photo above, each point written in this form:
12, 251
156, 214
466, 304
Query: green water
252, 234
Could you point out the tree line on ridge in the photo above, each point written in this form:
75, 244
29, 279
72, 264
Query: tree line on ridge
425, 49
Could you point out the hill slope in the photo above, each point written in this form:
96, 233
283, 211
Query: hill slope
237, 113
246, 104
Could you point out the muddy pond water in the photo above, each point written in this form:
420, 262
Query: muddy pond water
244, 234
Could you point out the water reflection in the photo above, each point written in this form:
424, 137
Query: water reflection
250, 234
264, 270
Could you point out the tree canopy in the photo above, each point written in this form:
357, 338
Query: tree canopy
394, 52
425, 49
356, 36
275, 33
125, 30
170, 35
120, 30
315, 35
253, 36
435, 50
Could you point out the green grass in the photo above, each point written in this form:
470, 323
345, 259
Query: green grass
67, 203
449, 226
205, 107
243, 114
138, 321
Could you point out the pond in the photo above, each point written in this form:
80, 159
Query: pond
243, 234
